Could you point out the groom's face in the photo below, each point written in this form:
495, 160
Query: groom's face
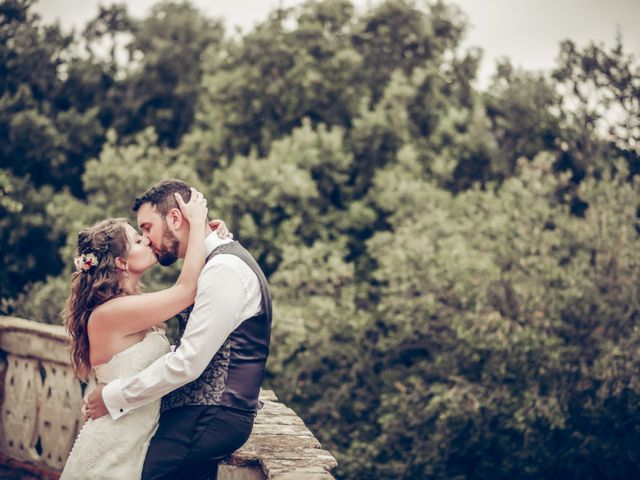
163, 242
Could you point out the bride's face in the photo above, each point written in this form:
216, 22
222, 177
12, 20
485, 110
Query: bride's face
140, 256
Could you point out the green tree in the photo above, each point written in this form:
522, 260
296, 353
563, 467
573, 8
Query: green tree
275, 76
163, 87
522, 108
26, 239
601, 99
291, 197
30, 56
398, 35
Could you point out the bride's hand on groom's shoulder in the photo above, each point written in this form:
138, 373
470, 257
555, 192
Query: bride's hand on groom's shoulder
220, 228
196, 209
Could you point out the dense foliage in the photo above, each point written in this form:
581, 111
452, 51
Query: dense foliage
455, 272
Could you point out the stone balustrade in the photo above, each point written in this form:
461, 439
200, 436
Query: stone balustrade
41, 401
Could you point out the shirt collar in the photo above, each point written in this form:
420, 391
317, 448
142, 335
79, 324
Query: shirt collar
212, 241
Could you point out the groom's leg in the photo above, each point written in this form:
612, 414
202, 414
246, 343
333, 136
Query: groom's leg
219, 435
172, 442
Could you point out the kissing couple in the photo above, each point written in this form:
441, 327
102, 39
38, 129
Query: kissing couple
162, 412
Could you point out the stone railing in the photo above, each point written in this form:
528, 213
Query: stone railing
40, 418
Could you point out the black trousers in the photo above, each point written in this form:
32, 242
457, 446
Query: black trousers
191, 440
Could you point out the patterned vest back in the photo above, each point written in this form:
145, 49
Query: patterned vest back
234, 375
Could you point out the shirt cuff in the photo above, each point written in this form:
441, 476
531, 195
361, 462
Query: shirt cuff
113, 399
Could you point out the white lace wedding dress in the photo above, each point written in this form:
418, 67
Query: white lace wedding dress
115, 449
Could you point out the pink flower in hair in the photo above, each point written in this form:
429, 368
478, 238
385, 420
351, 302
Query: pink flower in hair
85, 261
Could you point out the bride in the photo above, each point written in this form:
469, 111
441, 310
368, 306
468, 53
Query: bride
114, 329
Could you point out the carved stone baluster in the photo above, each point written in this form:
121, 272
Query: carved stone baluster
60, 415
20, 408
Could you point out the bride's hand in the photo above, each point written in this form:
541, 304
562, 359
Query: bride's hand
196, 210
220, 228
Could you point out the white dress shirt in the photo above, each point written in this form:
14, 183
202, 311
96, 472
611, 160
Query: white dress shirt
228, 293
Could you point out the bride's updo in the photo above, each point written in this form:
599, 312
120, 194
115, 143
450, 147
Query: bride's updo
96, 280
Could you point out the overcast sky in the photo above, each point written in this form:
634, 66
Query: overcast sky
527, 31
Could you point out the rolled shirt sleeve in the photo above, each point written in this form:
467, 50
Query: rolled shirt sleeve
228, 293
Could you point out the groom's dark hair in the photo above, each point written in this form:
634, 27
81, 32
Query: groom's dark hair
161, 195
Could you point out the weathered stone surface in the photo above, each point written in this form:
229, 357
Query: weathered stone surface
32, 339
268, 395
230, 472
302, 475
284, 446
275, 467
279, 420
28, 345
262, 447
290, 441
275, 408
319, 456
260, 428
15, 324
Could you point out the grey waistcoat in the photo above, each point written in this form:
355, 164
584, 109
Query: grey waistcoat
234, 375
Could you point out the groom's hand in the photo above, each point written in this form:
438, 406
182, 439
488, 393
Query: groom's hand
94, 406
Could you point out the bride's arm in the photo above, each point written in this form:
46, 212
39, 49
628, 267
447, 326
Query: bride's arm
134, 313
196, 214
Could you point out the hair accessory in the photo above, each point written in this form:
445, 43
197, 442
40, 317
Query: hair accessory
85, 262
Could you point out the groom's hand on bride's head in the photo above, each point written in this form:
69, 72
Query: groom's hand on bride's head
94, 406
220, 228
195, 210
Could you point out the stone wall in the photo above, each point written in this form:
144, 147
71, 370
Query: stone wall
41, 401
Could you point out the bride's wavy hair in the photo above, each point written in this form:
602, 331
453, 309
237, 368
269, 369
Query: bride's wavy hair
106, 240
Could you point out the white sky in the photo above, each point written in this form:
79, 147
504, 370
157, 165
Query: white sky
527, 31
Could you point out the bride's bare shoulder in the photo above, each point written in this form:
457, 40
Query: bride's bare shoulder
104, 312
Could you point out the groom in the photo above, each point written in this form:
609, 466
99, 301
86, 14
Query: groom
210, 382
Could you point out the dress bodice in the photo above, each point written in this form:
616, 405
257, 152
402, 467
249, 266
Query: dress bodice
135, 358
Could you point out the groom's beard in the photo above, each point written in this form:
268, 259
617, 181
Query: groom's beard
167, 254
